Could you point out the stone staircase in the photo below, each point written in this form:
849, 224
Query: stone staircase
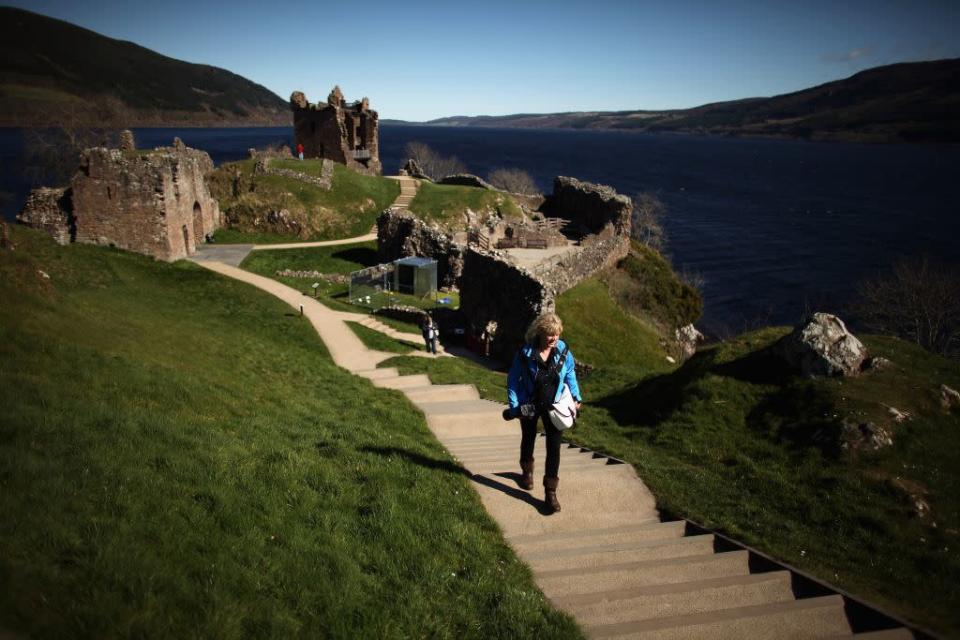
408, 190
608, 558
372, 323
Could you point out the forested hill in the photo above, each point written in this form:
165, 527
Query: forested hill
49, 68
907, 102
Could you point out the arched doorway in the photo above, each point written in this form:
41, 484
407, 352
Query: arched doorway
198, 233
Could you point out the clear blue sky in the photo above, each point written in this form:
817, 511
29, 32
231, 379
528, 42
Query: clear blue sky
422, 60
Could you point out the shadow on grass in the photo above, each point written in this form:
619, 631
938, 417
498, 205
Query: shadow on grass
416, 458
783, 407
659, 397
364, 256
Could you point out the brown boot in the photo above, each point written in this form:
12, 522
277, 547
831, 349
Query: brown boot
550, 491
526, 480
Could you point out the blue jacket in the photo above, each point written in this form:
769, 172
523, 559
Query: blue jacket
520, 385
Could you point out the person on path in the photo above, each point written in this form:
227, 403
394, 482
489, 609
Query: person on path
300, 150
541, 369
430, 334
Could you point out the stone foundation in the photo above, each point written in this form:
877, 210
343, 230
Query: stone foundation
49, 210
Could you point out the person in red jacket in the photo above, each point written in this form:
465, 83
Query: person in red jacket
300, 150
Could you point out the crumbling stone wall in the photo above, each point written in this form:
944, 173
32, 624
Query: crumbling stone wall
345, 133
156, 202
496, 293
401, 234
49, 210
568, 269
597, 208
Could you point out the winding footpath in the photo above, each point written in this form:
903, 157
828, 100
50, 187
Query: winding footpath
607, 558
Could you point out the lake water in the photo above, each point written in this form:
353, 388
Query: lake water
774, 227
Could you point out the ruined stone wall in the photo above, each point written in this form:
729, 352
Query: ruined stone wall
401, 234
335, 130
49, 210
154, 202
493, 290
569, 269
598, 208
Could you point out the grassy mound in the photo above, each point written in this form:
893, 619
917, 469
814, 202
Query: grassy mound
645, 284
447, 204
273, 208
180, 457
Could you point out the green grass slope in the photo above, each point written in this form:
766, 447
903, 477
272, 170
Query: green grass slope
47, 65
252, 204
180, 457
447, 204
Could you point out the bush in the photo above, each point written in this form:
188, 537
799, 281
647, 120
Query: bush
433, 164
513, 181
647, 219
918, 300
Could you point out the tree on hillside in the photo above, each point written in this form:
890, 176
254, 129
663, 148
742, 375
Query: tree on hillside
647, 221
918, 300
433, 164
513, 181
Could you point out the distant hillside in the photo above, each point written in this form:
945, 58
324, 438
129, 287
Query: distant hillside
908, 102
49, 67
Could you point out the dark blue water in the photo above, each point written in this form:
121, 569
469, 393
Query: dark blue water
774, 227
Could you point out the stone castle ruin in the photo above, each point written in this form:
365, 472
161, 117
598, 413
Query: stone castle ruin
334, 130
151, 202
499, 295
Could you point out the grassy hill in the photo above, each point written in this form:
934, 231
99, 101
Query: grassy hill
252, 205
180, 457
49, 67
907, 102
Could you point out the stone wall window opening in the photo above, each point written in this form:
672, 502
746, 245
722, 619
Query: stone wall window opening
197, 220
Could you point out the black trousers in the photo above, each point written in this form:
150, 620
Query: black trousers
528, 427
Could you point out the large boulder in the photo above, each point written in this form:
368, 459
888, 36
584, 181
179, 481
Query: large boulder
822, 346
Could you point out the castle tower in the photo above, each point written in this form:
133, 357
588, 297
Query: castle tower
338, 131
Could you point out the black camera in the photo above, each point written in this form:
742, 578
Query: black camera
524, 410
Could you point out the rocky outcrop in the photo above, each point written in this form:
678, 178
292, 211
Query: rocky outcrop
822, 346
49, 210
413, 169
687, 339
401, 234
863, 436
467, 180
598, 209
949, 397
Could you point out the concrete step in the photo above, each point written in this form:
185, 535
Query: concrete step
685, 598
378, 374
435, 392
654, 530
403, 382
565, 582
807, 618
618, 553
900, 633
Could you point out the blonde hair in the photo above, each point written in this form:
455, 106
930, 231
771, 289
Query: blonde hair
547, 324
